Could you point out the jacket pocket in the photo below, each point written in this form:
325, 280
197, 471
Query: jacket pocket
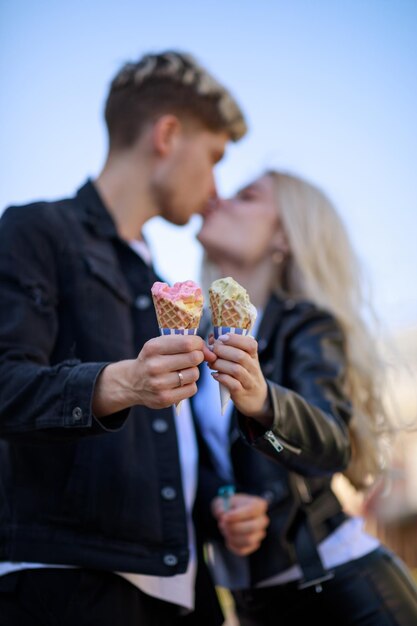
105, 310
102, 268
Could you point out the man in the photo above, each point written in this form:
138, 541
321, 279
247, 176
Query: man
95, 507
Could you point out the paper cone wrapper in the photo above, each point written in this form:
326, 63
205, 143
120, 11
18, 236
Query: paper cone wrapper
222, 330
178, 331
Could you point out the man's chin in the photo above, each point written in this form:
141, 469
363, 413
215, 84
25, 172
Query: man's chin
179, 218
174, 217
183, 220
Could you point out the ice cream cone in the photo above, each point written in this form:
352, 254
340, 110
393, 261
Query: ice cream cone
222, 330
178, 310
231, 312
170, 315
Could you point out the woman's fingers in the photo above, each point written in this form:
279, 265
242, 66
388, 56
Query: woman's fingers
244, 525
246, 343
231, 383
233, 370
237, 368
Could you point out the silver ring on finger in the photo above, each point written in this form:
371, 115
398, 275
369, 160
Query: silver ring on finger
180, 379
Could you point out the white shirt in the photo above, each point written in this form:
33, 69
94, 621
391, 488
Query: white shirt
178, 589
214, 427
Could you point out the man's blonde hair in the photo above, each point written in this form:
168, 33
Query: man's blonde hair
168, 82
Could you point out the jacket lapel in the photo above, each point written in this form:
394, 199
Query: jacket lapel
269, 323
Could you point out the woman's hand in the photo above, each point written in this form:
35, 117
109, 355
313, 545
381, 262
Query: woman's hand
244, 525
238, 369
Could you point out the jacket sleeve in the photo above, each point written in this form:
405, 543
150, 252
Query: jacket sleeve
38, 399
311, 414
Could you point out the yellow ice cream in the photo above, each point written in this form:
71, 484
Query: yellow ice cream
230, 304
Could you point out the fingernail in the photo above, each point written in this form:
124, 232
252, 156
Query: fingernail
225, 337
214, 374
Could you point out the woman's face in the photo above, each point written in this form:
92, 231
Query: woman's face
242, 229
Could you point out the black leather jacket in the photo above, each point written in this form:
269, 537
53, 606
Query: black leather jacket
75, 490
301, 351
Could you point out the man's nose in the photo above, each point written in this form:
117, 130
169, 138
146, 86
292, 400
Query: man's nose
213, 195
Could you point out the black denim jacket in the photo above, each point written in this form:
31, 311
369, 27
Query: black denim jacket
74, 490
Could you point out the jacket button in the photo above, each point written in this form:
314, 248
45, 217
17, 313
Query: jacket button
170, 560
160, 426
142, 302
168, 493
77, 413
268, 495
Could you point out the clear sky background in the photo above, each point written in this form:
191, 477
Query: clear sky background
329, 88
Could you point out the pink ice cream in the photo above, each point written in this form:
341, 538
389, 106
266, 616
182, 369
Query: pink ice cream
179, 306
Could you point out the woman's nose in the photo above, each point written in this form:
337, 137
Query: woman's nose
224, 203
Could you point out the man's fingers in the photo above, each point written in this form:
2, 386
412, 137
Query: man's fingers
173, 344
166, 363
181, 393
167, 397
184, 377
173, 380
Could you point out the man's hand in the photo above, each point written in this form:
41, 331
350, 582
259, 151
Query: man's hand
152, 378
244, 524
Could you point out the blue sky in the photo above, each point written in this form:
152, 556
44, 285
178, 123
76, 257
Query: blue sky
329, 89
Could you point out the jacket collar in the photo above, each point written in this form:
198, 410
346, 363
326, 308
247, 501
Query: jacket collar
93, 211
271, 317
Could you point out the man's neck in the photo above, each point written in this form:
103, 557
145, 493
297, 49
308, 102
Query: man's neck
125, 190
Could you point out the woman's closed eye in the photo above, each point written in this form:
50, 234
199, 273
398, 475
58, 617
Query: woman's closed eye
247, 194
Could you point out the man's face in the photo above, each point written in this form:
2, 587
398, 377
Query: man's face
186, 182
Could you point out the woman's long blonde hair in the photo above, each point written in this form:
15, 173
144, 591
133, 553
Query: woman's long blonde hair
323, 268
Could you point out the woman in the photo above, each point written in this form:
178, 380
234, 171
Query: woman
307, 394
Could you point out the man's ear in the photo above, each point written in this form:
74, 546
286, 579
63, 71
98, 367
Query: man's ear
165, 133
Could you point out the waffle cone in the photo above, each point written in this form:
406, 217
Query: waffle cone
170, 316
226, 313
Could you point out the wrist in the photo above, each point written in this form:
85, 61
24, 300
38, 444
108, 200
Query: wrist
112, 391
265, 416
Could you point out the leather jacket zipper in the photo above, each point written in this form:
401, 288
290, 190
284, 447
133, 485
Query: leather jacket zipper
278, 444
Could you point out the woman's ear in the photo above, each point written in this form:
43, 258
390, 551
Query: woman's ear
165, 133
279, 244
